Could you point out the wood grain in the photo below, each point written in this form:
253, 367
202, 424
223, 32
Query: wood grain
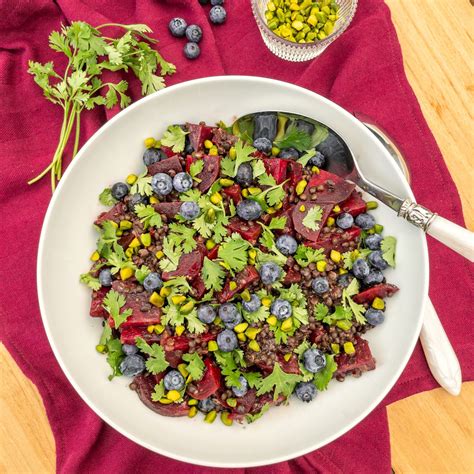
430, 432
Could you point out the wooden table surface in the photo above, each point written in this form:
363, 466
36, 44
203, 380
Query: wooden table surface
430, 432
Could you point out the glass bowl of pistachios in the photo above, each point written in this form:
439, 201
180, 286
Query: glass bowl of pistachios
300, 30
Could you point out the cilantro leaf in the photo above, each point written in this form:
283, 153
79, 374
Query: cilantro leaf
279, 382
306, 157
294, 138
106, 198
106, 335
234, 252
114, 356
265, 179
322, 378
142, 185
156, 361
195, 168
213, 275
260, 315
258, 168
305, 255
107, 237
312, 218
118, 260
193, 323
275, 195
256, 416
195, 365
243, 153
148, 216
277, 223
159, 391
320, 311
90, 281
191, 195
141, 273
254, 379
183, 236
172, 253
388, 247
357, 310
174, 137
229, 368
350, 257
113, 303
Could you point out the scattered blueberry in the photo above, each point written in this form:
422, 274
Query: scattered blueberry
265, 125
289, 154
132, 365
129, 349
217, 2
281, 309
231, 324
286, 244
263, 144
153, 155
244, 174
105, 277
320, 285
373, 241
161, 184
317, 160
227, 340
152, 282
194, 33
206, 313
252, 305
230, 315
206, 405
249, 210
365, 221
360, 269
305, 391
119, 191
376, 260
304, 126
136, 199
177, 27
374, 316
344, 220
217, 15
182, 182
373, 278
314, 360
244, 386
189, 210
173, 380
270, 272
344, 280
191, 50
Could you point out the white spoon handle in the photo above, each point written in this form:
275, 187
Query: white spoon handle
439, 352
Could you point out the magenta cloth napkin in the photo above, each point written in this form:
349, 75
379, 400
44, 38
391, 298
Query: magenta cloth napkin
362, 71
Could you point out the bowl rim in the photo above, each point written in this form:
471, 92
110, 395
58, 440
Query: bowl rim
40, 284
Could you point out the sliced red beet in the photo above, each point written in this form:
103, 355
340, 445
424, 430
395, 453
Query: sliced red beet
199, 289
294, 172
145, 386
126, 239
208, 385
243, 279
290, 367
334, 240
189, 266
113, 214
335, 189
169, 209
277, 168
292, 276
97, 309
129, 335
298, 216
165, 166
362, 359
210, 172
234, 193
378, 291
354, 204
249, 231
212, 254
198, 134
168, 151
189, 162
245, 403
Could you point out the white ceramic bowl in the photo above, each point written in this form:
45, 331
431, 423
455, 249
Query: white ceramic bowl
68, 238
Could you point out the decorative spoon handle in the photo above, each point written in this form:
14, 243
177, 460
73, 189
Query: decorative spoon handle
450, 234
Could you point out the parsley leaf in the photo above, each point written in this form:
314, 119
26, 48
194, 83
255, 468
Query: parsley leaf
306, 157
305, 255
174, 138
348, 303
113, 303
183, 236
256, 416
234, 252
213, 275
294, 138
279, 381
195, 168
388, 247
159, 391
195, 365
156, 361
172, 253
90, 281
106, 198
148, 216
312, 218
114, 356
142, 185
141, 273
322, 378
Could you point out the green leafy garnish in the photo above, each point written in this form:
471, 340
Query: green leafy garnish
113, 303
358, 310
265, 179
195, 365
106, 335
106, 198
322, 378
148, 216
159, 391
183, 236
388, 247
254, 379
195, 168
313, 217
230, 363
90, 281
350, 257
172, 254
294, 138
142, 186
256, 416
174, 138
258, 168
305, 255
118, 260
243, 152
279, 382
191, 195
114, 356
107, 237
156, 361
141, 273
213, 275
260, 315
234, 252
306, 157
267, 238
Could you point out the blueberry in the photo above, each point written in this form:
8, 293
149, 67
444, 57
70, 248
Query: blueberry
360, 269
152, 282
177, 27
305, 391
206, 313
314, 360
194, 33
105, 277
373, 278
182, 182
365, 221
265, 125
376, 260
191, 50
289, 154
188, 147
281, 309
263, 144
189, 210
161, 184
136, 199
119, 191
317, 160
373, 241
344, 220
320, 285
129, 349
244, 174
217, 2
304, 126
206, 405
253, 304
230, 315
244, 386
132, 365
234, 322
344, 280
374, 316
270, 272
153, 155
286, 244
173, 380
249, 210
227, 340
217, 15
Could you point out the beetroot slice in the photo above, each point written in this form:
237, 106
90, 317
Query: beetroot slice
165, 166
378, 291
333, 193
249, 231
298, 217
277, 168
198, 134
113, 214
243, 279
169, 209
199, 289
362, 359
189, 266
126, 239
168, 151
245, 403
212, 254
234, 193
130, 334
292, 276
145, 386
208, 385
210, 172
354, 204
97, 309
294, 172
333, 240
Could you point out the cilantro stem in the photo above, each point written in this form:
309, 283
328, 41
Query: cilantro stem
78, 133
